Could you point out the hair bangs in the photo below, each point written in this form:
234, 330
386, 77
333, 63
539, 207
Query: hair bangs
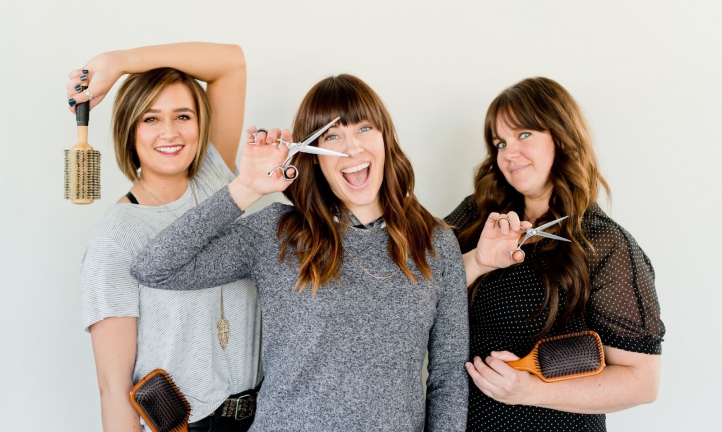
342, 97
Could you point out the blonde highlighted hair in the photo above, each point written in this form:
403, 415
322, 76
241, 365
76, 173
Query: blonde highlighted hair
135, 97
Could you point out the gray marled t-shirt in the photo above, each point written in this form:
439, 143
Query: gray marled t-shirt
348, 358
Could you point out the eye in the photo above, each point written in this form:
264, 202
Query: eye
184, 117
365, 128
524, 135
500, 145
150, 119
330, 137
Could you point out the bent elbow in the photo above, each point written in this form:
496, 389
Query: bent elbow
652, 392
236, 58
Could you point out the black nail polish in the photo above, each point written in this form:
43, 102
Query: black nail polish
77, 88
71, 102
85, 71
83, 78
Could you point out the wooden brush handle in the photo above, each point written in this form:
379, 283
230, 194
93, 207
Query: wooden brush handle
527, 363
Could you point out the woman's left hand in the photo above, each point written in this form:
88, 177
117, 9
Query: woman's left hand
502, 382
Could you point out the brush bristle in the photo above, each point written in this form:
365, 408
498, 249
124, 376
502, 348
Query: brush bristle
572, 355
163, 404
82, 174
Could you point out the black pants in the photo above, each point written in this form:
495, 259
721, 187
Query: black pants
220, 424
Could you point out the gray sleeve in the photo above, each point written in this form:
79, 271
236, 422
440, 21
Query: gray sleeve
447, 387
206, 247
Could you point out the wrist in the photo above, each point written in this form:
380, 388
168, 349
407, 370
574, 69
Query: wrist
480, 266
242, 195
534, 396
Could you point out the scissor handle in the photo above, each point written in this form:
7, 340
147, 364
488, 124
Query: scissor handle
523, 255
284, 171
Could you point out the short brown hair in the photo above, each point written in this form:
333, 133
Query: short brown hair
135, 97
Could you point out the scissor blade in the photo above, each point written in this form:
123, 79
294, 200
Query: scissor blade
551, 236
322, 151
318, 133
554, 222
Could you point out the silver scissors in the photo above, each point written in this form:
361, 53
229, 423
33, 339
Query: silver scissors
304, 147
538, 231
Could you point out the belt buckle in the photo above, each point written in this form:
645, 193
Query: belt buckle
247, 410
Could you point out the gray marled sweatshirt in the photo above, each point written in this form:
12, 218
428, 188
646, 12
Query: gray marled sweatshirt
348, 358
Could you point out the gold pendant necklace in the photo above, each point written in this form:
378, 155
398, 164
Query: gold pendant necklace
223, 327
366, 271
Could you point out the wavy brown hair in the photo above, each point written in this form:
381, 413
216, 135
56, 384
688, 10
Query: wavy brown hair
310, 230
541, 104
135, 97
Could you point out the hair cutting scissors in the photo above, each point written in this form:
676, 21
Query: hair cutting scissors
538, 231
303, 147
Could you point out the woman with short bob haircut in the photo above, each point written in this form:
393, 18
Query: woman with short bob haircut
540, 165
356, 280
177, 143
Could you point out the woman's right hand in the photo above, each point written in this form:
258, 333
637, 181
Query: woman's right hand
102, 72
261, 154
499, 237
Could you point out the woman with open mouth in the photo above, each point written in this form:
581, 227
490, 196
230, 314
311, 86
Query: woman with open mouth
356, 280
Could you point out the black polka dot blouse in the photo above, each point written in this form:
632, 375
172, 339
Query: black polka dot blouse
622, 308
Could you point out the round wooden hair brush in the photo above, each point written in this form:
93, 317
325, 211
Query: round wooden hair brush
161, 404
82, 162
558, 358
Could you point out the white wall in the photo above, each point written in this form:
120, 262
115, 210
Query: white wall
647, 74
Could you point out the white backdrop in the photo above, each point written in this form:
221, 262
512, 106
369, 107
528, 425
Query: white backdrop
647, 74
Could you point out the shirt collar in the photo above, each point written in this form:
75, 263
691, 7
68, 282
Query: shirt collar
379, 223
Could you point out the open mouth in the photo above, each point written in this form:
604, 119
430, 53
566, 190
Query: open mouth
358, 175
169, 150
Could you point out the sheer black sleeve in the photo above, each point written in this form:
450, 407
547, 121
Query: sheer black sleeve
464, 215
623, 306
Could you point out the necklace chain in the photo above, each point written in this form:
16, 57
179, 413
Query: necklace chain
195, 200
366, 271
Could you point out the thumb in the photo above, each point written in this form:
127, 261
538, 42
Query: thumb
504, 356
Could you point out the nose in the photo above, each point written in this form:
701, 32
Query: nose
353, 147
512, 150
168, 130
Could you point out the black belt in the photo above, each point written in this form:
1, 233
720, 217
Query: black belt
238, 407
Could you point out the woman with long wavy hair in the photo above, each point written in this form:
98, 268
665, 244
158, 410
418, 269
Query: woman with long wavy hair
356, 280
540, 165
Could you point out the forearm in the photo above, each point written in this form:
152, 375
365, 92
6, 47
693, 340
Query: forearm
616, 388
204, 248
205, 61
116, 410
473, 269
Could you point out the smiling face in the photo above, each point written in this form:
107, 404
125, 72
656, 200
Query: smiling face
525, 157
167, 135
357, 179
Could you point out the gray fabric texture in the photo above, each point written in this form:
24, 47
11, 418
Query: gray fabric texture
348, 358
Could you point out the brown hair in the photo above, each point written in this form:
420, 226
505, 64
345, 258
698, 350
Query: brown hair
541, 104
135, 97
310, 230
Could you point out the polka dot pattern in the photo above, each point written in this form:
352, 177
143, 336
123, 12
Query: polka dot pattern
622, 307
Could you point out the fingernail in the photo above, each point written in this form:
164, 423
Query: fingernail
77, 88
85, 71
84, 78
71, 102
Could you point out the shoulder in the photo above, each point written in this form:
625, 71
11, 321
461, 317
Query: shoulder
125, 225
464, 214
213, 173
267, 218
445, 241
605, 234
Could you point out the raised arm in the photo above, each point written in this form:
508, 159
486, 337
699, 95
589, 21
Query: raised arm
208, 246
447, 386
223, 67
